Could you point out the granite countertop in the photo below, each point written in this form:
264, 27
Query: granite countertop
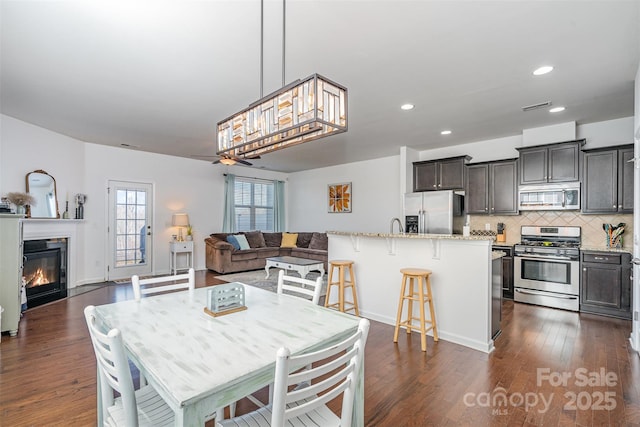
605, 249
411, 235
507, 243
582, 248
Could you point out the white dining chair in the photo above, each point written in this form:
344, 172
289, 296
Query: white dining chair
172, 283
328, 378
297, 286
142, 407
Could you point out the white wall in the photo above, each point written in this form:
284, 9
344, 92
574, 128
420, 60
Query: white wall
25, 148
376, 183
600, 134
480, 151
376, 197
196, 187
637, 106
549, 134
611, 132
180, 184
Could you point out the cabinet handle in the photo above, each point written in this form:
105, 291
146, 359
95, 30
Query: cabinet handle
434, 185
614, 206
584, 269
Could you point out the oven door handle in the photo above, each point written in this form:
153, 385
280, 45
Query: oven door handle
544, 294
546, 257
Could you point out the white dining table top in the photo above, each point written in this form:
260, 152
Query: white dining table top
190, 355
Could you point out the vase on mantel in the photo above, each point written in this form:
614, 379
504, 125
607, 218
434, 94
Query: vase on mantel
20, 209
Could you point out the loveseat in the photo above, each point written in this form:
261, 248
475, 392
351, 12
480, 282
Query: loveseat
224, 258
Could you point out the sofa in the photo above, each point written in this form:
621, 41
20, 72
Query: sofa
223, 257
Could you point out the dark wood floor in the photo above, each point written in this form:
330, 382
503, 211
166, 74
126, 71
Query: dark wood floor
47, 372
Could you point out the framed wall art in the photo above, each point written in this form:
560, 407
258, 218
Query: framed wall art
339, 197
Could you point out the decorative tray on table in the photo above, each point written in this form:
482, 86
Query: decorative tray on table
225, 299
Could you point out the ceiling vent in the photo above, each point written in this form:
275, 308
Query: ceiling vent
536, 106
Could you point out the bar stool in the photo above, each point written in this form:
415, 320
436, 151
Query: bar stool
409, 294
342, 283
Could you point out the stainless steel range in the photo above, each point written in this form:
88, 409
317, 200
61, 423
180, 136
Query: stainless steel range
547, 267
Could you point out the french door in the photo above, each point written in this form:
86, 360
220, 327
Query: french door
129, 230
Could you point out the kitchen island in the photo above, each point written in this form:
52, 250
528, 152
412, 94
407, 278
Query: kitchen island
461, 279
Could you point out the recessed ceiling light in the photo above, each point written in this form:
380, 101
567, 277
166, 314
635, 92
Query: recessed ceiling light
407, 106
543, 70
556, 109
445, 132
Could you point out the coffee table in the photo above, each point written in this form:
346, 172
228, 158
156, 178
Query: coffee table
302, 265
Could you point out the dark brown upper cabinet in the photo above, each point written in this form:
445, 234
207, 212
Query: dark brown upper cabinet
442, 174
550, 163
492, 188
607, 180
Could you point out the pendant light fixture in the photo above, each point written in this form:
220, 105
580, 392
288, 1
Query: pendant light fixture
301, 111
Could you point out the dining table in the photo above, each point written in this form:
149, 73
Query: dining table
199, 363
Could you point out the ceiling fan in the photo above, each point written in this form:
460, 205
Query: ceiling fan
226, 159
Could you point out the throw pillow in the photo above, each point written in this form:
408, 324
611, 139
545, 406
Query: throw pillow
234, 241
319, 241
304, 239
272, 240
289, 240
242, 241
255, 239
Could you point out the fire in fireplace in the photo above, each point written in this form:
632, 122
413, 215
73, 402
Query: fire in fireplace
45, 270
38, 278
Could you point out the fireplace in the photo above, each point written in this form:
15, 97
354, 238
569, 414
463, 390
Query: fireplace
45, 270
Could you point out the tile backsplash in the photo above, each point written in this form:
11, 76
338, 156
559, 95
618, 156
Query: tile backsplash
593, 235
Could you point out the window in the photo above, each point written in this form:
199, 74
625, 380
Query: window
254, 205
130, 226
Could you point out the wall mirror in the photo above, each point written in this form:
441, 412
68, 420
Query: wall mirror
42, 187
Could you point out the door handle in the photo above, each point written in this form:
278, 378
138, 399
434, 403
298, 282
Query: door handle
635, 261
560, 296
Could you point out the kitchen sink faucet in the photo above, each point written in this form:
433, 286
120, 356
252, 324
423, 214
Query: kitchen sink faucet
394, 220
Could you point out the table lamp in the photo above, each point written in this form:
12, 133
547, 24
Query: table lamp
180, 220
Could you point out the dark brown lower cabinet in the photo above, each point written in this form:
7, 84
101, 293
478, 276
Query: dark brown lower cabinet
507, 270
605, 283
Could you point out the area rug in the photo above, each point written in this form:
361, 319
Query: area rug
257, 278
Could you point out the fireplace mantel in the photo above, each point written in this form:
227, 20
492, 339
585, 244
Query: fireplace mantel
45, 228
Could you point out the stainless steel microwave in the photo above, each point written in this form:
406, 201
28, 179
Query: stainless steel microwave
549, 197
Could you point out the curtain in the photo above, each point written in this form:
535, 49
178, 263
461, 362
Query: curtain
229, 218
278, 206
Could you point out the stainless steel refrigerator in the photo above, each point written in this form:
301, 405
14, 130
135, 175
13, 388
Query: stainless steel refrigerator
433, 212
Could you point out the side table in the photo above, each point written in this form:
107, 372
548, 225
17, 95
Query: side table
176, 248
